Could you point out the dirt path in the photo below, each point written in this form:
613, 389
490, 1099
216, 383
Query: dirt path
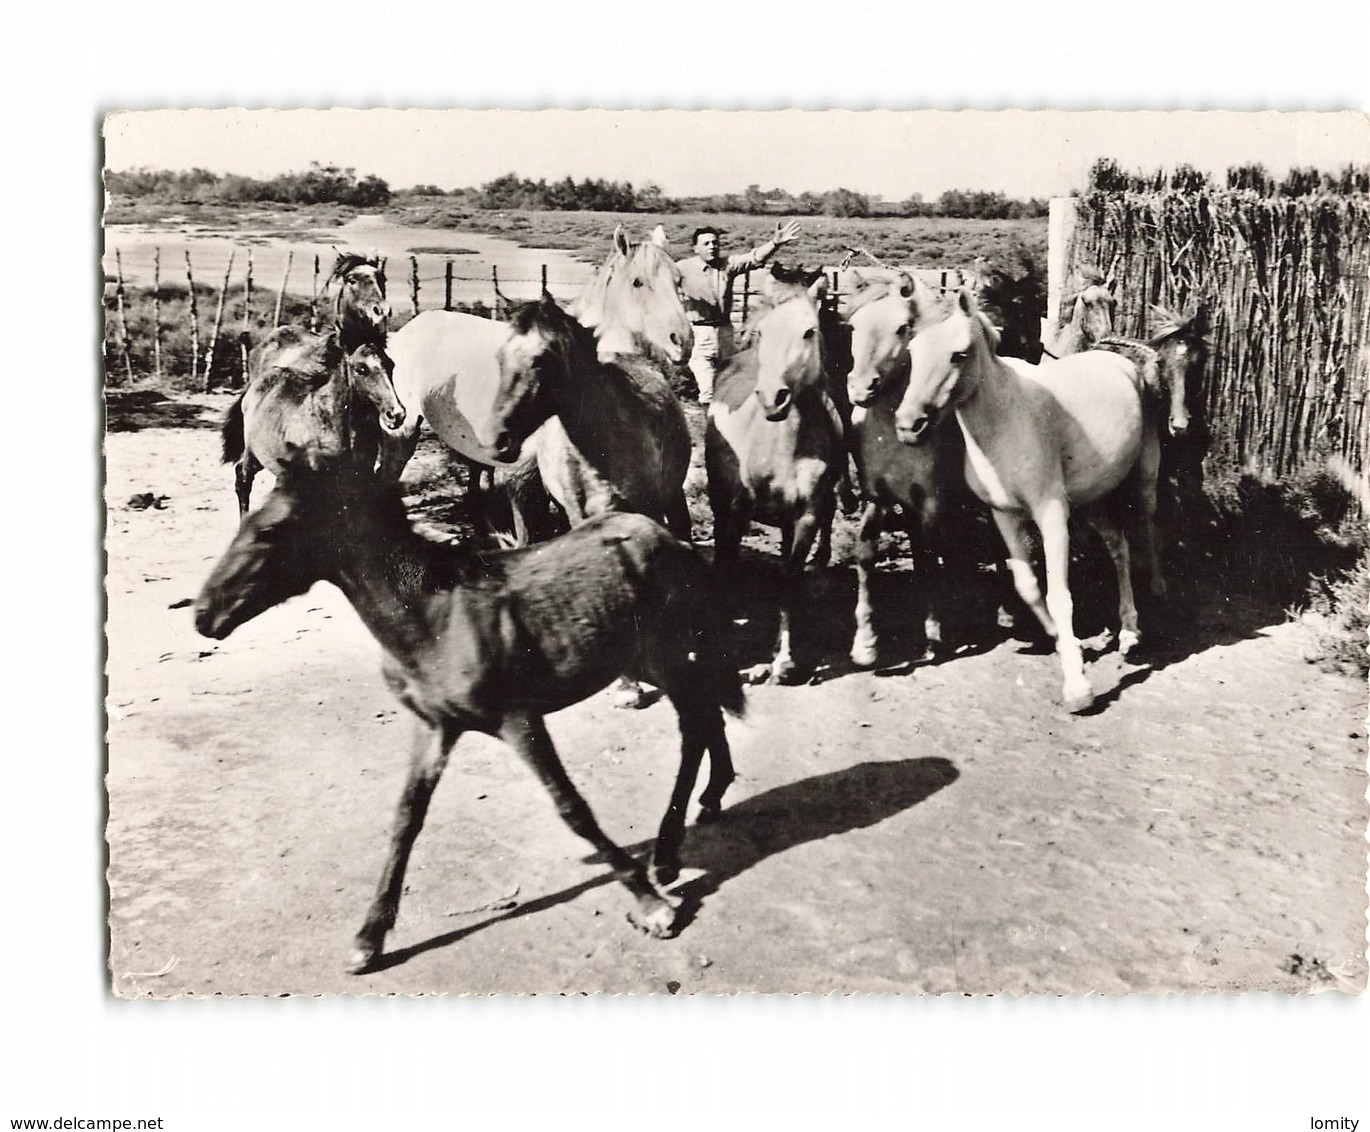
942, 828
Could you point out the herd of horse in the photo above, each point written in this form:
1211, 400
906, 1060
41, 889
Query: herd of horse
902, 384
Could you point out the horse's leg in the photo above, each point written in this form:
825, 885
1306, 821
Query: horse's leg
1148, 472
865, 644
1012, 528
721, 772
678, 517
428, 757
1053, 520
244, 472
1116, 542
527, 734
795, 542
927, 570
693, 740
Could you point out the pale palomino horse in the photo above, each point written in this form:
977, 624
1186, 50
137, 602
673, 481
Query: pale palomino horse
1091, 317
308, 406
1040, 441
917, 479
773, 443
492, 642
446, 365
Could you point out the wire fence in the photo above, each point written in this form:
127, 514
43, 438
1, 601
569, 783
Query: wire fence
200, 334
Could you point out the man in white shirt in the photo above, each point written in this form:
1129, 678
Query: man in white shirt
707, 285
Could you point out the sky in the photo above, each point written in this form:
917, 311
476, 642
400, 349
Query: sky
891, 154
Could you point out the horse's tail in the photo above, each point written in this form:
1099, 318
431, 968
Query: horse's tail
232, 432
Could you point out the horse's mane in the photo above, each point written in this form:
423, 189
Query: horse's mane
1173, 326
547, 314
339, 489
1151, 369
870, 290
347, 261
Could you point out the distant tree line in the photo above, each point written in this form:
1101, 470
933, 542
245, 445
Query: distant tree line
1107, 176
319, 184
514, 192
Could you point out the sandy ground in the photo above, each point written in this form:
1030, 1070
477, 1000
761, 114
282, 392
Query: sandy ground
942, 828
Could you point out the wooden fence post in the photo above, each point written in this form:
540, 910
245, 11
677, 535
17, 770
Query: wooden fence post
157, 312
494, 278
119, 305
544, 279
746, 294
414, 283
218, 320
314, 299
280, 297
247, 316
447, 286
194, 322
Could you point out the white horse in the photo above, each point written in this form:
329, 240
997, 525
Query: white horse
1040, 440
446, 368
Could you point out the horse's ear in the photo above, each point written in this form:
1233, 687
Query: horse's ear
965, 299
659, 236
621, 240
907, 285
818, 289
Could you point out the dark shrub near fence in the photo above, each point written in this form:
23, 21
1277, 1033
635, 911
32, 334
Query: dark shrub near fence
1287, 281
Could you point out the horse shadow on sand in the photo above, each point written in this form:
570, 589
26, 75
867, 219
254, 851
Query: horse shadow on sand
1203, 610
750, 831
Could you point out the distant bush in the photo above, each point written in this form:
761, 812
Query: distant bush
319, 184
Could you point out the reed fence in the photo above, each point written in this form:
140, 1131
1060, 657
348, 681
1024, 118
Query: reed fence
157, 333
1287, 285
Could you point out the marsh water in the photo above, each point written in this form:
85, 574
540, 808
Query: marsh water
473, 257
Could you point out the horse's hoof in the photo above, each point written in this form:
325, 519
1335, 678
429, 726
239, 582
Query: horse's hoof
362, 958
1128, 640
756, 674
630, 699
784, 672
864, 653
1080, 701
657, 921
709, 812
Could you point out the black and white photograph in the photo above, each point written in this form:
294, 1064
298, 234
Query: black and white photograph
542, 563
788, 565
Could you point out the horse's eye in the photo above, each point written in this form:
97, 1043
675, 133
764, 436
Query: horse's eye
637, 282
905, 330
808, 334
959, 357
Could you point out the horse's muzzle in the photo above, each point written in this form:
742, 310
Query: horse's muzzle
862, 392
779, 408
915, 433
505, 449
